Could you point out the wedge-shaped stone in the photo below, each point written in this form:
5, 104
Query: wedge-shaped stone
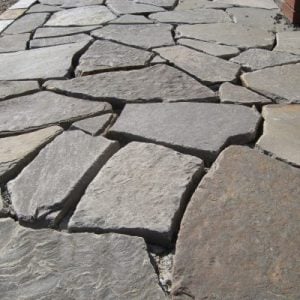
16, 151
288, 42
54, 182
192, 4
13, 43
266, 4
131, 7
23, 4
207, 68
57, 265
153, 84
144, 201
79, 3
239, 243
131, 19
38, 8
10, 89
4, 24
200, 129
43, 109
279, 83
163, 3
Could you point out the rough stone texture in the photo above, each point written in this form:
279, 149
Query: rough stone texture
108, 56
16, 151
67, 167
193, 4
45, 108
153, 84
23, 4
79, 3
56, 265
212, 70
131, 19
9, 89
242, 236
3, 210
281, 135
52, 2
163, 3
266, 4
13, 43
201, 129
279, 83
157, 60
144, 201
288, 42
131, 7
38, 8
11, 14
144, 36
228, 34
4, 24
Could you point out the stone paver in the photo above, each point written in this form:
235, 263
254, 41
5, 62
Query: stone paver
234, 241
23, 4
163, 3
10, 89
13, 43
193, 4
38, 8
79, 3
131, 19
4, 24
266, 4
52, 2
288, 42
131, 7
12, 14
144, 201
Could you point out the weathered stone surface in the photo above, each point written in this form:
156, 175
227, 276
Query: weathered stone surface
131, 7
79, 3
153, 84
4, 24
281, 135
9, 89
239, 243
38, 8
212, 69
11, 14
157, 60
3, 209
131, 19
192, 4
144, 36
266, 4
230, 93
52, 2
12, 43
23, 4
163, 3
18, 150
106, 55
45, 108
228, 34
201, 129
56, 265
67, 168
144, 201
288, 42
255, 59
81, 16
44, 63
279, 83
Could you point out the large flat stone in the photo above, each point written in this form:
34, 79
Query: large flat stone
4, 24
43, 109
279, 83
163, 3
11, 14
143, 200
288, 42
67, 168
266, 4
200, 129
207, 68
23, 4
79, 3
52, 2
192, 4
153, 84
10, 89
49, 264
131, 7
18, 150
242, 236
38, 8
281, 135
13, 43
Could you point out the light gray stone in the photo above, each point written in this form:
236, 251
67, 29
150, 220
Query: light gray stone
79, 3
281, 135
143, 36
18, 150
192, 4
52, 2
288, 42
131, 19
144, 201
229, 34
47, 264
23, 4
10, 89
157, 60
153, 84
38, 8
43, 109
107, 56
239, 238
163, 3
131, 7
279, 83
212, 69
266, 4
4, 24
12, 14
13, 43
200, 129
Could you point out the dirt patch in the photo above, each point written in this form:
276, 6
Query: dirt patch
5, 4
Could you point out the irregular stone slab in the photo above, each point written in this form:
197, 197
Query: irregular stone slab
44, 63
192, 4
212, 69
266, 4
38, 8
23, 4
10, 89
11, 14
67, 168
144, 36
279, 83
288, 42
281, 135
200, 129
108, 56
43, 109
131, 7
4, 24
18, 150
81, 16
100, 267
143, 202
131, 19
236, 227
13, 43
228, 34
157, 60
230, 93
79, 3
52, 2
210, 48
163, 3
153, 84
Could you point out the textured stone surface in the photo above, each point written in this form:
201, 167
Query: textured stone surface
131, 19
55, 265
52, 2
11, 14
279, 83
157, 83
38, 8
67, 167
266, 4
201, 129
106, 56
281, 135
79, 3
4, 24
193, 4
157, 60
163, 3
131, 7
12, 43
144, 201
212, 70
144, 36
242, 236
3, 210
9, 89
288, 42
45, 108
23, 4
16, 151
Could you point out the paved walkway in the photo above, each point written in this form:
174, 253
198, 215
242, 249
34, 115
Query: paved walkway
171, 129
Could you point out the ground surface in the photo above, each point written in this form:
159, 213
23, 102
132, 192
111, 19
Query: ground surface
5, 4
